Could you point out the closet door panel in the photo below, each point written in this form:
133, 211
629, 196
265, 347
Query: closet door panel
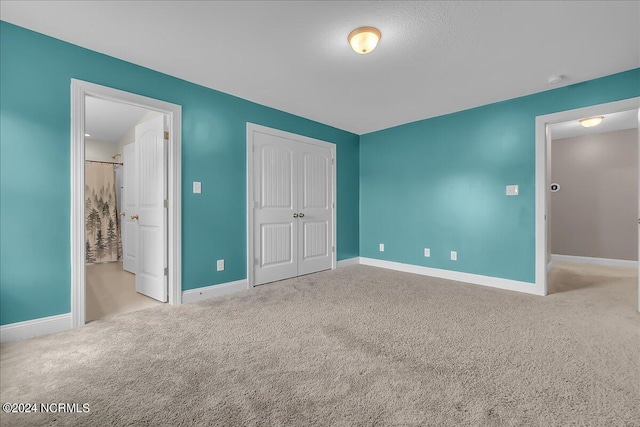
275, 202
315, 195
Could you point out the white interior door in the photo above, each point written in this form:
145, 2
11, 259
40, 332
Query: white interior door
151, 152
129, 208
275, 204
315, 197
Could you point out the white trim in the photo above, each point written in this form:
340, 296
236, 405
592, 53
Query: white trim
349, 261
542, 143
476, 279
594, 261
34, 328
79, 90
251, 128
193, 295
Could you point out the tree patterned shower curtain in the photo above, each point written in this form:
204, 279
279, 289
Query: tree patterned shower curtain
102, 228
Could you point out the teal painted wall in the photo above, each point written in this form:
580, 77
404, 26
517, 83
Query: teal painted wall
440, 183
35, 75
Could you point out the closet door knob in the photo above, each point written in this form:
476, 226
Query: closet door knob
301, 215
295, 215
135, 217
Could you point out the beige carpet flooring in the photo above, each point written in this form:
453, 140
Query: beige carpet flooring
358, 346
111, 290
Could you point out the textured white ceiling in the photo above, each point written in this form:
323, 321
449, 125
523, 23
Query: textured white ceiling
434, 57
611, 123
109, 121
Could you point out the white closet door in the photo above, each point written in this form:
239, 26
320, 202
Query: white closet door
275, 191
152, 214
315, 208
129, 207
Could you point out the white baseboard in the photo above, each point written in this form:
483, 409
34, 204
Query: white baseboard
33, 328
228, 288
595, 261
349, 261
476, 279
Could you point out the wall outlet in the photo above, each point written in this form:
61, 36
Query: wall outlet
197, 187
427, 252
381, 247
512, 190
220, 264
454, 255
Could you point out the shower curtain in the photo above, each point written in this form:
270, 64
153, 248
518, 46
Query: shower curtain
102, 228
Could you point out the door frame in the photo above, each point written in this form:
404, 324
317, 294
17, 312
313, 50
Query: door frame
79, 90
543, 151
251, 128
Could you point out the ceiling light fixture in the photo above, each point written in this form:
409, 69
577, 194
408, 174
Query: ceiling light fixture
364, 39
86, 134
590, 122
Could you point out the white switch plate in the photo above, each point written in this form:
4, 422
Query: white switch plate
454, 255
197, 187
220, 264
381, 247
512, 190
427, 252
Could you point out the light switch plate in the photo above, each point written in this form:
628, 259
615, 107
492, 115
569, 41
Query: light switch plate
512, 190
197, 187
427, 252
220, 265
454, 255
381, 247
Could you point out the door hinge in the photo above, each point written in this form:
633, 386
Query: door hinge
166, 271
166, 203
333, 161
166, 135
333, 248
257, 261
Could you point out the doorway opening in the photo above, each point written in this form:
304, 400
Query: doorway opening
125, 220
112, 130
587, 192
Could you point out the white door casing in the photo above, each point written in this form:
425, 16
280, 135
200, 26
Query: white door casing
79, 90
151, 215
290, 205
543, 139
129, 205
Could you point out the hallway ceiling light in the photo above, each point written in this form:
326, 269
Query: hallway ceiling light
86, 134
364, 39
590, 122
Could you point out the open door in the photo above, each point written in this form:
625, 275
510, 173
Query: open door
129, 205
151, 213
